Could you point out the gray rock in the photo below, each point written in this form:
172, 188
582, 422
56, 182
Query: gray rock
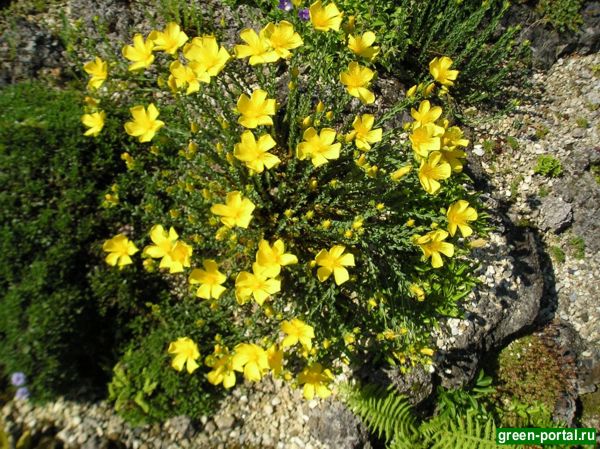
556, 215
224, 422
334, 424
28, 51
180, 426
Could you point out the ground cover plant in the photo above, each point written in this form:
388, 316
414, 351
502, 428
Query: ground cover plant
302, 226
57, 320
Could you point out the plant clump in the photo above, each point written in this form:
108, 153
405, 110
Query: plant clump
302, 230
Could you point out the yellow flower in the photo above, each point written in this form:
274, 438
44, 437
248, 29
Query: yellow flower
454, 158
432, 244
174, 254
169, 40
320, 148
184, 75
417, 292
459, 214
275, 355
272, 258
94, 122
210, 280
206, 51
237, 210
401, 172
439, 69
363, 133
315, 380
255, 154
426, 139
250, 359
256, 109
282, 38
362, 45
357, 79
140, 53
411, 92
257, 47
144, 124
426, 114
297, 331
453, 137
186, 353
119, 248
222, 372
129, 161
334, 261
256, 284
432, 170
325, 18
98, 71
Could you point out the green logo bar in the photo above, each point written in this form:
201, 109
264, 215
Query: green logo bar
511, 435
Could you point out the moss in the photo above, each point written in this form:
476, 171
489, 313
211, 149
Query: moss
544, 191
582, 122
530, 373
590, 405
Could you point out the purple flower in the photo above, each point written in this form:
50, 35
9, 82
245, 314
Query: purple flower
285, 5
304, 14
18, 379
22, 393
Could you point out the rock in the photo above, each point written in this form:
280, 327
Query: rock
27, 51
555, 214
96, 443
333, 424
578, 133
224, 422
179, 426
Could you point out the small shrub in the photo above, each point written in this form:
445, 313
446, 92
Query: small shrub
282, 204
514, 187
548, 166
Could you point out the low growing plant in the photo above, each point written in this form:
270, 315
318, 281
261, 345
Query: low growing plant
548, 166
275, 191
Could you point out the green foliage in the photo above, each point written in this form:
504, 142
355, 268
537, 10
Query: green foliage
411, 33
530, 380
513, 143
543, 191
53, 328
144, 388
548, 166
458, 423
558, 254
352, 201
564, 15
582, 122
595, 170
541, 131
386, 413
514, 187
577, 245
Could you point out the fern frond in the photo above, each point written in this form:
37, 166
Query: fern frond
385, 412
462, 432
